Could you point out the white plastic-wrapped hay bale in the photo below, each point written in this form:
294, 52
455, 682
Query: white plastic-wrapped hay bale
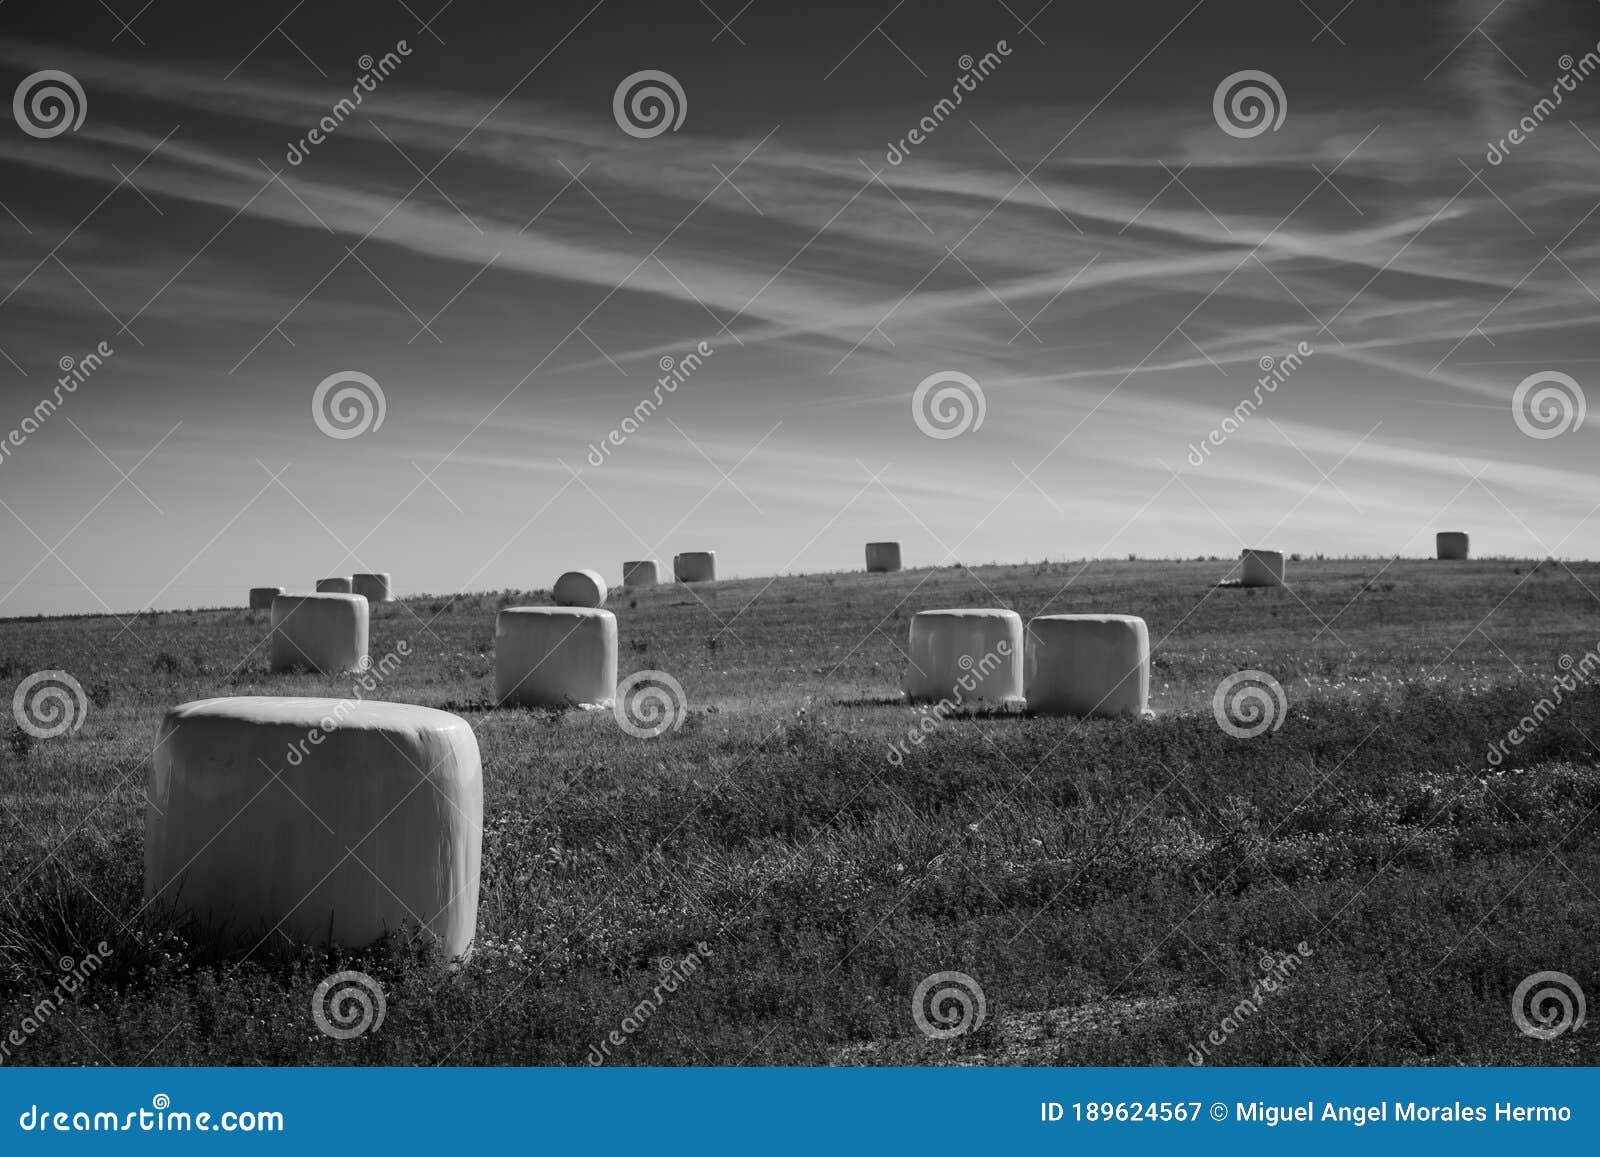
555, 657
1261, 568
321, 632
372, 587
321, 819
640, 573
261, 597
883, 557
1451, 544
695, 566
580, 588
1088, 665
334, 586
971, 657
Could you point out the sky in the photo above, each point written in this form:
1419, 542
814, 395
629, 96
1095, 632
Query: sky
1081, 241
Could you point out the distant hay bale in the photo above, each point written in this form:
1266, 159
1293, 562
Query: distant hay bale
695, 566
261, 597
1262, 568
883, 557
317, 819
372, 587
640, 573
1088, 665
580, 588
1451, 544
334, 586
973, 658
320, 632
555, 657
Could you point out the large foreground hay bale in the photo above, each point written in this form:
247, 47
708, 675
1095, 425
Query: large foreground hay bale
1088, 665
1451, 544
261, 597
322, 632
883, 557
555, 657
970, 657
580, 588
640, 573
1261, 568
372, 587
695, 566
321, 819
334, 586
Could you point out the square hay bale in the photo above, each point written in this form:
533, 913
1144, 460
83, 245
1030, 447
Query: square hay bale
695, 566
325, 820
261, 597
555, 657
972, 658
1088, 665
1451, 544
580, 588
334, 586
321, 632
640, 573
883, 557
1261, 568
372, 587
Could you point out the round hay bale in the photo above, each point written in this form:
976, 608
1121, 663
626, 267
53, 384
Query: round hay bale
883, 557
261, 597
325, 820
641, 573
372, 587
321, 632
1451, 544
334, 586
555, 657
580, 588
1261, 568
695, 566
973, 658
1088, 665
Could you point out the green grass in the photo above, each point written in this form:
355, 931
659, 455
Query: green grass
1110, 885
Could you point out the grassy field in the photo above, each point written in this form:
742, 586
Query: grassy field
1112, 886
